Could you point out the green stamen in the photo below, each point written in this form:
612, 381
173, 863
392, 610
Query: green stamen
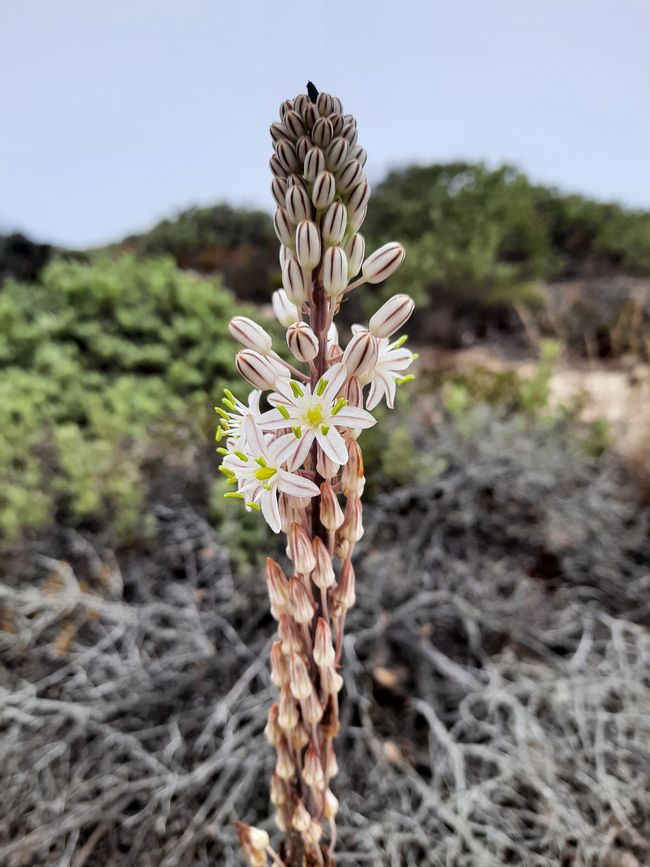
284, 412
223, 451
222, 412
229, 395
415, 356
227, 472
408, 378
255, 506
260, 461
242, 457
233, 495
322, 385
402, 340
297, 431
295, 388
325, 429
266, 486
219, 434
338, 406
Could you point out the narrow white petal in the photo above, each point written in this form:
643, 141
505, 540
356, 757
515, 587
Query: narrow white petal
376, 393
390, 387
354, 417
335, 376
273, 420
303, 450
333, 445
295, 485
254, 438
270, 510
284, 449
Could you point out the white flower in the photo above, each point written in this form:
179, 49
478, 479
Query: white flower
314, 415
233, 417
387, 374
257, 469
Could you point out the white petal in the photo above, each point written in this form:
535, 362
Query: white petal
284, 449
254, 439
354, 417
295, 485
391, 388
273, 420
304, 444
376, 392
396, 359
269, 504
333, 445
335, 376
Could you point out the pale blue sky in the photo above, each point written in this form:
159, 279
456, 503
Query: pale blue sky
115, 114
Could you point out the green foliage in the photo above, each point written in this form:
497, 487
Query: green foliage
105, 367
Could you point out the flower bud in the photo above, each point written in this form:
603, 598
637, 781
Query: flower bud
285, 311
256, 369
293, 124
278, 132
285, 254
286, 154
325, 104
324, 190
250, 334
324, 464
288, 717
337, 105
297, 204
361, 353
302, 341
278, 791
352, 526
334, 223
301, 818
312, 711
283, 818
277, 168
303, 146
278, 587
353, 392
284, 228
337, 154
300, 684
294, 180
344, 595
322, 133
323, 649
279, 665
314, 163
352, 478
308, 246
356, 220
331, 805
350, 175
285, 106
358, 153
310, 115
349, 133
355, 250
331, 515
296, 281
284, 766
312, 772
279, 190
253, 838
334, 272
358, 199
331, 765
323, 574
302, 608
289, 633
391, 316
271, 729
337, 123
331, 680
300, 550
382, 263
300, 103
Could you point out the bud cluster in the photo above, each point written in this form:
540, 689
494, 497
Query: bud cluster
300, 463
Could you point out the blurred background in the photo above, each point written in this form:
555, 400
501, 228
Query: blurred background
497, 701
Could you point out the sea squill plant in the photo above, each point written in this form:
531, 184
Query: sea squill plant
298, 461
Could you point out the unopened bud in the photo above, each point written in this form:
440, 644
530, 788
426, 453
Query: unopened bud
293, 124
302, 608
391, 316
300, 550
361, 353
331, 765
312, 772
352, 527
284, 766
297, 203
350, 175
322, 133
301, 685
308, 246
278, 132
285, 106
337, 105
325, 104
277, 168
250, 334
355, 250
284, 228
323, 649
334, 223
331, 515
302, 341
337, 154
331, 680
334, 272
323, 575
344, 595
288, 716
352, 477
300, 103
302, 148
355, 221
331, 807
301, 818
349, 133
278, 791
358, 200
286, 154
279, 665
295, 180
296, 281
289, 635
353, 392
324, 190
337, 123
256, 369
285, 254
324, 464
312, 711
314, 164
310, 115
272, 730
285, 311
279, 190
358, 153
252, 838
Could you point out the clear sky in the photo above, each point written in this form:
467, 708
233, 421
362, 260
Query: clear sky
115, 113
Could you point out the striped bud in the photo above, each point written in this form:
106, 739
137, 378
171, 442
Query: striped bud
324, 464
300, 103
349, 133
289, 633
250, 334
314, 164
350, 175
286, 154
301, 686
278, 791
331, 515
391, 316
323, 574
284, 766
358, 199
331, 807
300, 550
323, 649
337, 123
285, 106
278, 132
285, 311
334, 272
331, 680
294, 180
253, 841
279, 665
334, 223
277, 168
296, 281
302, 608
293, 124
312, 711
383, 262
297, 204
310, 115
361, 353
301, 818
271, 729
256, 369
288, 717
322, 133
356, 219
355, 250
324, 190
337, 105
337, 154
359, 154
284, 228
279, 190
325, 104
308, 246
303, 146
353, 392
352, 477
277, 585
312, 771
302, 341
331, 766
344, 595
352, 526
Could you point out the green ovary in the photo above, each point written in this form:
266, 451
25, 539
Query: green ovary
314, 415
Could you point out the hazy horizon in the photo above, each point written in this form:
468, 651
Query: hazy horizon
118, 116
